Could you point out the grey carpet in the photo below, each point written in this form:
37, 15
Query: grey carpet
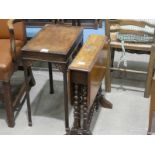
129, 114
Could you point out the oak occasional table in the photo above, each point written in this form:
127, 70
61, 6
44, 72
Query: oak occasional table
86, 73
57, 45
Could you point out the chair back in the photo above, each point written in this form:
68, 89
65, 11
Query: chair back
139, 27
19, 30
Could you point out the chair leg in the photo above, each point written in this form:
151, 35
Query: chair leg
26, 74
51, 77
150, 117
8, 104
149, 75
150, 122
112, 51
108, 73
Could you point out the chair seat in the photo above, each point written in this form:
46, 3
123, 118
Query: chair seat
132, 46
6, 64
115, 43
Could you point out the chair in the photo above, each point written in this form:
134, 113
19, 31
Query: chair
12, 38
113, 27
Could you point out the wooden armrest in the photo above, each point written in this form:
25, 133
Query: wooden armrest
10, 24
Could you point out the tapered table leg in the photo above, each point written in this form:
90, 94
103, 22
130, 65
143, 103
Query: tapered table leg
30, 74
27, 93
51, 77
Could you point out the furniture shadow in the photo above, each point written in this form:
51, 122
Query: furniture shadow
94, 119
2, 111
50, 105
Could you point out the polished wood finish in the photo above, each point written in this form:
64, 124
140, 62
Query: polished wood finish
114, 26
57, 45
51, 78
85, 59
86, 73
53, 39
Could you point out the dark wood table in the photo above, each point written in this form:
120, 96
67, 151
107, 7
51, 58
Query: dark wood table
57, 45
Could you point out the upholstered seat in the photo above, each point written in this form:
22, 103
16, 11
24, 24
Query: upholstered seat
6, 62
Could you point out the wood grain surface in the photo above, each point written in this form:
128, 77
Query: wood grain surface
54, 39
88, 54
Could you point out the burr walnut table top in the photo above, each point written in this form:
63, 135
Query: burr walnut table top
88, 54
54, 39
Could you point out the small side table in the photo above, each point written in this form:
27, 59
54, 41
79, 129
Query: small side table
86, 73
57, 45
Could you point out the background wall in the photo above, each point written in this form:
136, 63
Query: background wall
32, 30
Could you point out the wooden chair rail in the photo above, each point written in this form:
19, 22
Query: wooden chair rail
131, 22
128, 70
134, 32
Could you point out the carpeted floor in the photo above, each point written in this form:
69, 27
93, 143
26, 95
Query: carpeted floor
128, 116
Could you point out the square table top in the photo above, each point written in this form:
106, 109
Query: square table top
56, 39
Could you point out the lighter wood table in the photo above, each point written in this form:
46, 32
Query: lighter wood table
58, 45
86, 73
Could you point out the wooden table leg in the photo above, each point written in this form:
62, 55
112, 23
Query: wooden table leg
81, 111
86, 127
26, 74
77, 110
66, 102
51, 77
30, 74
108, 72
